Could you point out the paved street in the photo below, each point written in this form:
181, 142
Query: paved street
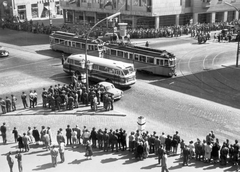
203, 97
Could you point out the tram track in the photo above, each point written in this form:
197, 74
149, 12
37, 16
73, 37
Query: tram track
203, 86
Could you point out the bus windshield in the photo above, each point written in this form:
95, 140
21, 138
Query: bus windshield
128, 70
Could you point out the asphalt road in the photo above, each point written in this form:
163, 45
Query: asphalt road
203, 97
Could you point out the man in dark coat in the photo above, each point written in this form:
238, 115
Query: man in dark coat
36, 134
93, 137
8, 104
186, 153
68, 135
3, 105
3, 130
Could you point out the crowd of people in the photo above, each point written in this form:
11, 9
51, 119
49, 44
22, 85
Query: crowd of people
139, 144
63, 97
82, 29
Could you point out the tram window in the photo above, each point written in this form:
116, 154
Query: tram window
66, 43
62, 42
136, 57
120, 53
95, 47
113, 52
159, 62
165, 62
83, 46
56, 41
78, 45
150, 60
131, 56
73, 44
142, 58
125, 55
171, 62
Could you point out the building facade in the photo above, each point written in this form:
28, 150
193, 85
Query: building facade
33, 9
150, 13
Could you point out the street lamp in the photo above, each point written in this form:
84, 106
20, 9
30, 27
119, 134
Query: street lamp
86, 44
238, 36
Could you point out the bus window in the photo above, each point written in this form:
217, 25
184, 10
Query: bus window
125, 55
136, 57
165, 62
131, 56
77, 63
113, 52
150, 60
142, 58
78, 45
110, 70
120, 53
62, 42
95, 67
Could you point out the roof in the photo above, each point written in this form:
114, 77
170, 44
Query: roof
101, 61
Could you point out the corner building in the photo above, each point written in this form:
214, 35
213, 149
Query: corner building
150, 13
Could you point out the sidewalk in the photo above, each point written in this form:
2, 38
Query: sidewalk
82, 110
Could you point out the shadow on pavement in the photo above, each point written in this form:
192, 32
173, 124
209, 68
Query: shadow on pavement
50, 53
103, 161
78, 161
150, 166
219, 85
43, 167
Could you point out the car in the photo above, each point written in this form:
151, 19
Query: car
3, 52
111, 89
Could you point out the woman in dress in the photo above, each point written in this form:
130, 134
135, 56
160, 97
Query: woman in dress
89, 151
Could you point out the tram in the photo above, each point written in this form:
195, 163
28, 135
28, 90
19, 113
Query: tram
159, 62
70, 43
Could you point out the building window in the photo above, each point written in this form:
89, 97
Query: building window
22, 12
180, 2
34, 11
84, 1
188, 3
136, 2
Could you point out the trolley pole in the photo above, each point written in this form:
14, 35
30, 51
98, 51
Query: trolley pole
86, 45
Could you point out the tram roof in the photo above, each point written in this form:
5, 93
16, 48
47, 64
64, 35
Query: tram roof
101, 61
143, 51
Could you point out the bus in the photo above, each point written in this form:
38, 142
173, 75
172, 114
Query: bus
119, 73
159, 62
70, 43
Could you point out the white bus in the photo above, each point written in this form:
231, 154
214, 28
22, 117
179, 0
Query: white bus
116, 72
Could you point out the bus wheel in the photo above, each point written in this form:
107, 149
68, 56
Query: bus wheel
108, 80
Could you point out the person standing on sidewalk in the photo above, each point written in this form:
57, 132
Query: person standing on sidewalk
164, 162
15, 134
4, 133
19, 160
54, 154
8, 104
35, 95
31, 99
3, 105
14, 101
24, 100
10, 161
61, 151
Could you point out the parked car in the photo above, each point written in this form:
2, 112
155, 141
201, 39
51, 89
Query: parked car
3, 52
111, 89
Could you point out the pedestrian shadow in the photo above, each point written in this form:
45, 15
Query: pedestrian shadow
43, 167
78, 161
45, 154
35, 152
176, 167
131, 160
150, 166
108, 160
